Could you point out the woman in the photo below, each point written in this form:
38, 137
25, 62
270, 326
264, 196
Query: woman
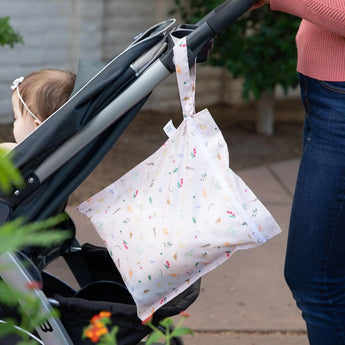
315, 259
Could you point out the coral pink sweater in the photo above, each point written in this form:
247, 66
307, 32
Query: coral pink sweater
321, 36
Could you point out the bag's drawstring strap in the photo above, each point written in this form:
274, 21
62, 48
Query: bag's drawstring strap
185, 78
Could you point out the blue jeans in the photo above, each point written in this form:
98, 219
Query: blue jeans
315, 258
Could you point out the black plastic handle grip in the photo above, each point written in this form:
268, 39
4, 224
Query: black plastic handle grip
218, 20
226, 13
209, 27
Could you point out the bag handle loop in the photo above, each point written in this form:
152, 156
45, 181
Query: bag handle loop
185, 78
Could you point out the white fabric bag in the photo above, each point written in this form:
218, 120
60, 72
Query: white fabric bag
181, 212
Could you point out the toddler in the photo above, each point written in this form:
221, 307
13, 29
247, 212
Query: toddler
35, 98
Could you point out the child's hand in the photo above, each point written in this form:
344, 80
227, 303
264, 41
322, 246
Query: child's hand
260, 3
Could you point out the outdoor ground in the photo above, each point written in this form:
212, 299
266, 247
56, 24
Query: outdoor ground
237, 123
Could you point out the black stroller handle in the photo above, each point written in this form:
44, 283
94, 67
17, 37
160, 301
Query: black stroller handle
209, 27
226, 13
218, 20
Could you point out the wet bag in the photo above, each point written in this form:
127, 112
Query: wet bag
181, 212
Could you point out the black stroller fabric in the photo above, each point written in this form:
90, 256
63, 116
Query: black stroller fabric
105, 291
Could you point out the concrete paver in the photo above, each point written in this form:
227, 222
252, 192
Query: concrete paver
266, 187
286, 173
245, 301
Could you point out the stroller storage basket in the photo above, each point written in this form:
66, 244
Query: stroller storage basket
104, 290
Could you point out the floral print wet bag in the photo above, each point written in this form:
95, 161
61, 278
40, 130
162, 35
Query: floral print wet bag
180, 213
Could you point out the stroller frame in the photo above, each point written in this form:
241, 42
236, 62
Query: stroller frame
17, 275
151, 69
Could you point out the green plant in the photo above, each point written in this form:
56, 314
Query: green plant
15, 235
29, 319
8, 36
168, 333
259, 47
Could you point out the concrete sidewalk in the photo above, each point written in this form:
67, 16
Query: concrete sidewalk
245, 301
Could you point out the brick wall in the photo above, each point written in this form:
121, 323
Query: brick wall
58, 32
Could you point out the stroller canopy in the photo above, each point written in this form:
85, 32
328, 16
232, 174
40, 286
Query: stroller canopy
96, 87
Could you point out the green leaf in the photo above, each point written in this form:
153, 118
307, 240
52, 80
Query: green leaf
9, 296
166, 323
9, 174
15, 235
154, 336
6, 328
8, 36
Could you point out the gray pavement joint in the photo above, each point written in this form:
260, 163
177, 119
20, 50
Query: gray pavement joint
251, 332
279, 181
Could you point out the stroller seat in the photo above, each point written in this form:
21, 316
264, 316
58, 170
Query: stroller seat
54, 173
61, 153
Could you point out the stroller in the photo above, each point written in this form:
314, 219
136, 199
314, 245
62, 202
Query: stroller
103, 103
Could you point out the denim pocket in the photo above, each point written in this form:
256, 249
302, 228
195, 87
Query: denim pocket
335, 86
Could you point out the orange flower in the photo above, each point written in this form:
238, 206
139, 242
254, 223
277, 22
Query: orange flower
94, 332
94, 319
97, 328
105, 314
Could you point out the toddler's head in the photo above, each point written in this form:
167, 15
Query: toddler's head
37, 96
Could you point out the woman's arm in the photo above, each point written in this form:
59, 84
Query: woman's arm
328, 14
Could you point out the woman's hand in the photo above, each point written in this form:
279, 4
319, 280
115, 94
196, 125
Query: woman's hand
260, 3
